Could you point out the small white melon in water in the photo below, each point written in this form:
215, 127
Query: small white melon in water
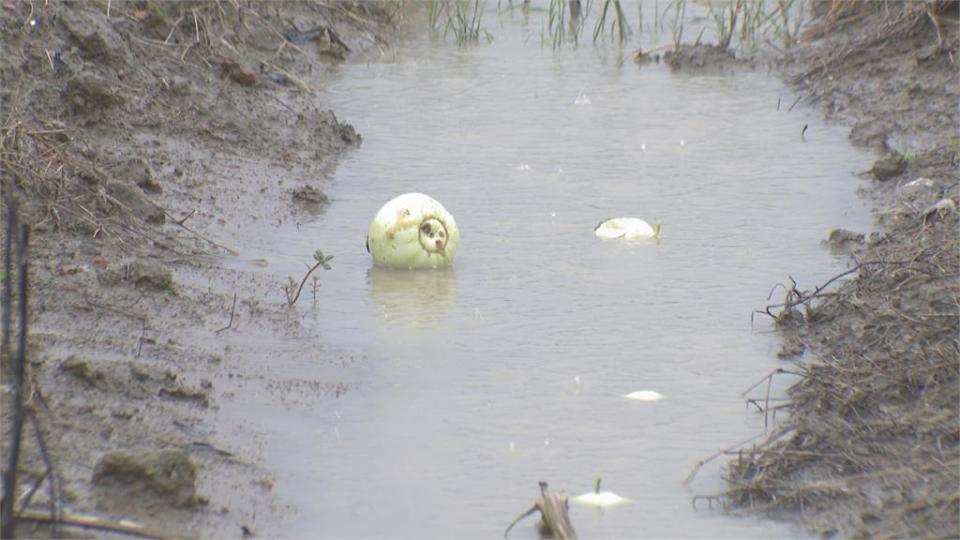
413, 231
645, 395
626, 228
600, 498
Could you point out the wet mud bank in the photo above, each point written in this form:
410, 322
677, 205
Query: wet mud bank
871, 447
126, 136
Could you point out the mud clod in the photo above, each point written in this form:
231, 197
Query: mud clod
326, 128
197, 395
91, 95
169, 475
871, 133
842, 238
133, 200
237, 72
701, 58
137, 171
142, 274
97, 39
888, 166
82, 370
311, 196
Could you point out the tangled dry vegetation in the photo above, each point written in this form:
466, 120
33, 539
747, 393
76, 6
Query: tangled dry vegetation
875, 423
872, 445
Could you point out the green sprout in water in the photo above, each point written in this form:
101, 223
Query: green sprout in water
292, 297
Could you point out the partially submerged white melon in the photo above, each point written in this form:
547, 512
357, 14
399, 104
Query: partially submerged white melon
413, 231
645, 395
599, 498
626, 228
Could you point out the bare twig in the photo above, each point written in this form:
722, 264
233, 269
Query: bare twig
54, 481
26, 499
197, 234
85, 522
8, 273
186, 217
233, 312
10, 474
794, 104
702, 462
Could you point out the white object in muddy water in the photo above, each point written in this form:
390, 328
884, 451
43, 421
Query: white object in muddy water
919, 183
942, 207
645, 395
600, 498
413, 231
626, 228
582, 99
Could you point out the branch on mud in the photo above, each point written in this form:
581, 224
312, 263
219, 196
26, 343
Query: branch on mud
182, 225
19, 366
51, 474
85, 522
233, 312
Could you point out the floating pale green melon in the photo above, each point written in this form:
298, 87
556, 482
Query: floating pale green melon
413, 231
626, 228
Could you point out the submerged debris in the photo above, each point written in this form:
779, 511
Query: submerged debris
554, 515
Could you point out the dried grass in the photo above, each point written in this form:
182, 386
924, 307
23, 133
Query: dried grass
874, 447
872, 444
875, 424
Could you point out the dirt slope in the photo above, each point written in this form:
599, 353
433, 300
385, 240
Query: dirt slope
127, 128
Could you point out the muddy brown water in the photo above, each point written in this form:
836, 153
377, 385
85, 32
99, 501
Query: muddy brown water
467, 386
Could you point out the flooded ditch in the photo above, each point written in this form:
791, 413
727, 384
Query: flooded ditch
465, 387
